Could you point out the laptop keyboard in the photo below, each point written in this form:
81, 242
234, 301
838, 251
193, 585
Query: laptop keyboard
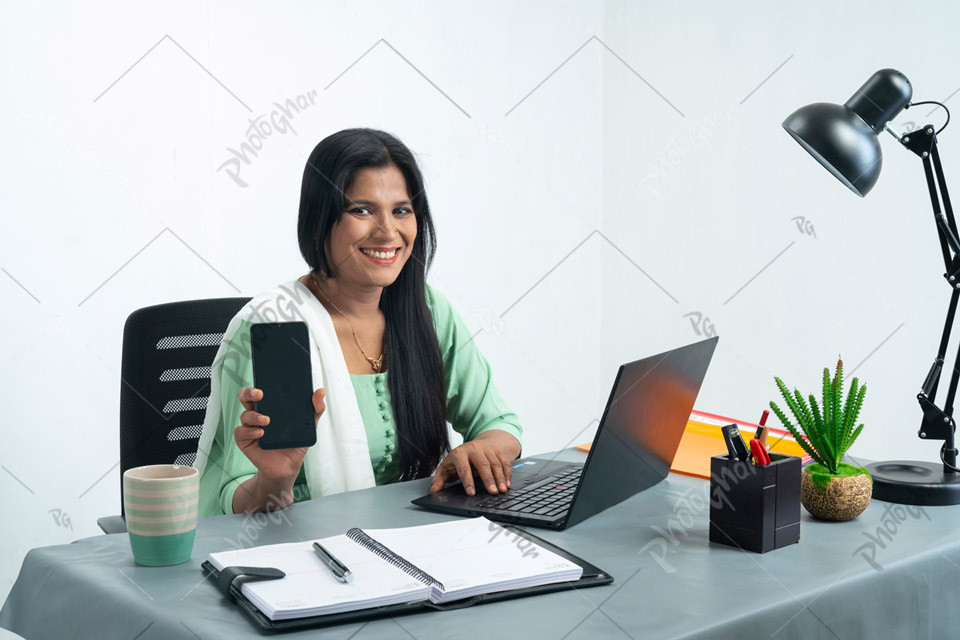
549, 498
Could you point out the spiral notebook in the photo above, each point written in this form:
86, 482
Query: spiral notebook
435, 563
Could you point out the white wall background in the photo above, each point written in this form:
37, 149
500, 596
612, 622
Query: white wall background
705, 201
597, 170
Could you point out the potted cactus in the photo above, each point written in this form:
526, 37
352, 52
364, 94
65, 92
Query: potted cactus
830, 489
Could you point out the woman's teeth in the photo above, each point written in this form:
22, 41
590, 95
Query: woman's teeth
380, 254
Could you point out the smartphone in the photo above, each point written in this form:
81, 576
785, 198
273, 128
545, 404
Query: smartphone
280, 353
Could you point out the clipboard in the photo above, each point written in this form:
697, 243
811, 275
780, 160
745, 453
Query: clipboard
234, 577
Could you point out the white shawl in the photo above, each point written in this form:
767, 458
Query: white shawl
340, 461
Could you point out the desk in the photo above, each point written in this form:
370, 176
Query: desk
670, 581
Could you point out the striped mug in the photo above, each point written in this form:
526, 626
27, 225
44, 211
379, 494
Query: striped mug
160, 503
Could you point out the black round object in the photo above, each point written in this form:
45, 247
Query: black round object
912, 482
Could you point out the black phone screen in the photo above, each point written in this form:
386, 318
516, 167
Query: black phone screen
280, 353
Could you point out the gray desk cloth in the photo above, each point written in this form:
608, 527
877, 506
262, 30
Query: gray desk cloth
892, 573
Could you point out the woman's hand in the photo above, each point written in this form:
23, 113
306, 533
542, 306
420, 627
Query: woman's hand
274, 466
489, 455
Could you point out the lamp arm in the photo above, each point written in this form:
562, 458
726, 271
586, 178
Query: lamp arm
938, 424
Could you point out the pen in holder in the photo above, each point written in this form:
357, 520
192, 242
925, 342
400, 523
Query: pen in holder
755, 507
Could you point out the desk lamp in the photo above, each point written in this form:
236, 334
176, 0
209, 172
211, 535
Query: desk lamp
845, 140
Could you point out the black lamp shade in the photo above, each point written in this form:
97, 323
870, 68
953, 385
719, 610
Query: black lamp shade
841, 141
843, 138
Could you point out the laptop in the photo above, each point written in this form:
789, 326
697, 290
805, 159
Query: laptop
634, 446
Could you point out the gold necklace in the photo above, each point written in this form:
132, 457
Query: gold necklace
376, 364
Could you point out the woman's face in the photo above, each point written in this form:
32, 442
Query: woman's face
378, 217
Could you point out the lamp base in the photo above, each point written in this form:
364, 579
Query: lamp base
912, 482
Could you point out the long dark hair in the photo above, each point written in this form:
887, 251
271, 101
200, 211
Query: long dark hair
411, 351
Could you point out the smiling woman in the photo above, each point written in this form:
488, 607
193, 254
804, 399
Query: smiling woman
397, 360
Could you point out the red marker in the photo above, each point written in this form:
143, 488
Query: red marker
762, 430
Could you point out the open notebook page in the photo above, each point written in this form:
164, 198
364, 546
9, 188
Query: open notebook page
474, 555
309, 587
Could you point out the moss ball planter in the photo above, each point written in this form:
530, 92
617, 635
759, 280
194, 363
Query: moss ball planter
839, 497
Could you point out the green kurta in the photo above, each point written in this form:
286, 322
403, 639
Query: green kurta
473, 406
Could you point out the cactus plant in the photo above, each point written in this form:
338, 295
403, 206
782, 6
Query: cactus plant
824, 433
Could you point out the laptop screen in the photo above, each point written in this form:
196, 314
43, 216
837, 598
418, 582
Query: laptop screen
642, 425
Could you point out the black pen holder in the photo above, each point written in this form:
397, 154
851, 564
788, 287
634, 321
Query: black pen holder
755, 507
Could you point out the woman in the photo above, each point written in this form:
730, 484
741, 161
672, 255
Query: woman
366, 232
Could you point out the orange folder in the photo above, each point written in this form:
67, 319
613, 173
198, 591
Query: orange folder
702, 440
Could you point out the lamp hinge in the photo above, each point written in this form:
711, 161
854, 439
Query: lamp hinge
920, 141
936, 424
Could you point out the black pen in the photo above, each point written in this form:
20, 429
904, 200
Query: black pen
339, 570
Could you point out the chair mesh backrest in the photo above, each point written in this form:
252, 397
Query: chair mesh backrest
165, 379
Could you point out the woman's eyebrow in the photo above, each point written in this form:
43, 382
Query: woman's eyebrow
371, 203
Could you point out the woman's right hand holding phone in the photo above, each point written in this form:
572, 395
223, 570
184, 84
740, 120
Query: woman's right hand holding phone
277, 469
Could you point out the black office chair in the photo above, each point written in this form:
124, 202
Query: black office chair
165, 383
